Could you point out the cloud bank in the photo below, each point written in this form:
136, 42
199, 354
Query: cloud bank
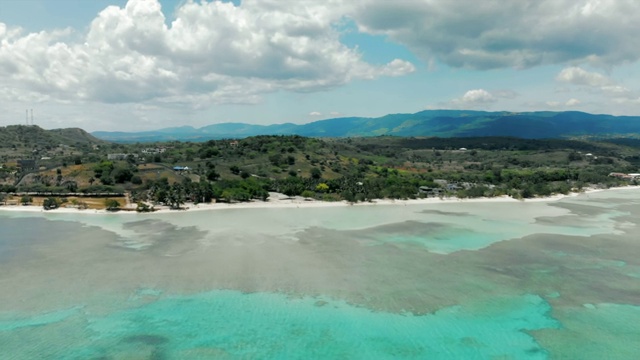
133, 60
495, 34
212, 52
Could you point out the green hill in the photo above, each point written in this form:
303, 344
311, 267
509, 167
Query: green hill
34, 136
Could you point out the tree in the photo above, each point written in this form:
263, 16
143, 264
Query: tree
26, 200
349, 196
208, 152
175, 196
160, 195
203, 192
275, 159
142, 207
112, 204
474, 192
122, 175
103, 169
106, 180
50, 203
322, 187
189, 154
308, 194
236, 194
316, 173
131, 159
72, 186
574, 156
527, 192
212, 175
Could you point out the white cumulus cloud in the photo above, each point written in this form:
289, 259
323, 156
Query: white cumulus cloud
573, 102
212, 52
472, 99
477, 96
578, 76
596, 83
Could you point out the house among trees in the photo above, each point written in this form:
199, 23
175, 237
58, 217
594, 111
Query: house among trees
441, 182
120, 156
624, 176
453, 187
158, 150
116, 156
431, 191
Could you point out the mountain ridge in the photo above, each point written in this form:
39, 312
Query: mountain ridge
440, 123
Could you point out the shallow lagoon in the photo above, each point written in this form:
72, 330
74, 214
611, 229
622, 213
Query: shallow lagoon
521, 280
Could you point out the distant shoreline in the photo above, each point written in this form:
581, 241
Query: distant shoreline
284, 202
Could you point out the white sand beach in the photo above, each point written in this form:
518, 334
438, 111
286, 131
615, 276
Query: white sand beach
278, 200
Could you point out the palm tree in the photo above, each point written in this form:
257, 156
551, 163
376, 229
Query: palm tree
175, 196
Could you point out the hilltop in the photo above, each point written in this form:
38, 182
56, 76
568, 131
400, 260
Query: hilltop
17, 136
439, 123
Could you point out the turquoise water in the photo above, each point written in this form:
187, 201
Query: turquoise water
273, 326
445, 281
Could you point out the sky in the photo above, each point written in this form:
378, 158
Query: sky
132, 65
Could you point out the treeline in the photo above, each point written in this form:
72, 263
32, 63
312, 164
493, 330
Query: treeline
387, 183
92, 190
479, 143
356, 169
176, 194
240, 190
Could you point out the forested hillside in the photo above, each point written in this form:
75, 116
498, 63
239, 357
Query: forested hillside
16, 136
441, 123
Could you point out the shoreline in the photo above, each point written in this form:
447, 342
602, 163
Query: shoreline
281, 201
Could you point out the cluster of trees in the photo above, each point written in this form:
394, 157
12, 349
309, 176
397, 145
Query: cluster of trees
110, 173
51, 203
490, 143
176, 194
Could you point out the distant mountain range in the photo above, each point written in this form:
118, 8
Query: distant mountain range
440, 123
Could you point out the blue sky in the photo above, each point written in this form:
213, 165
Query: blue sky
146, 64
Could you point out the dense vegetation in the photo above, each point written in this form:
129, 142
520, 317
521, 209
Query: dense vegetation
353, 169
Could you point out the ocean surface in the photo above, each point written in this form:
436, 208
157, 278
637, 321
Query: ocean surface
454, 280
